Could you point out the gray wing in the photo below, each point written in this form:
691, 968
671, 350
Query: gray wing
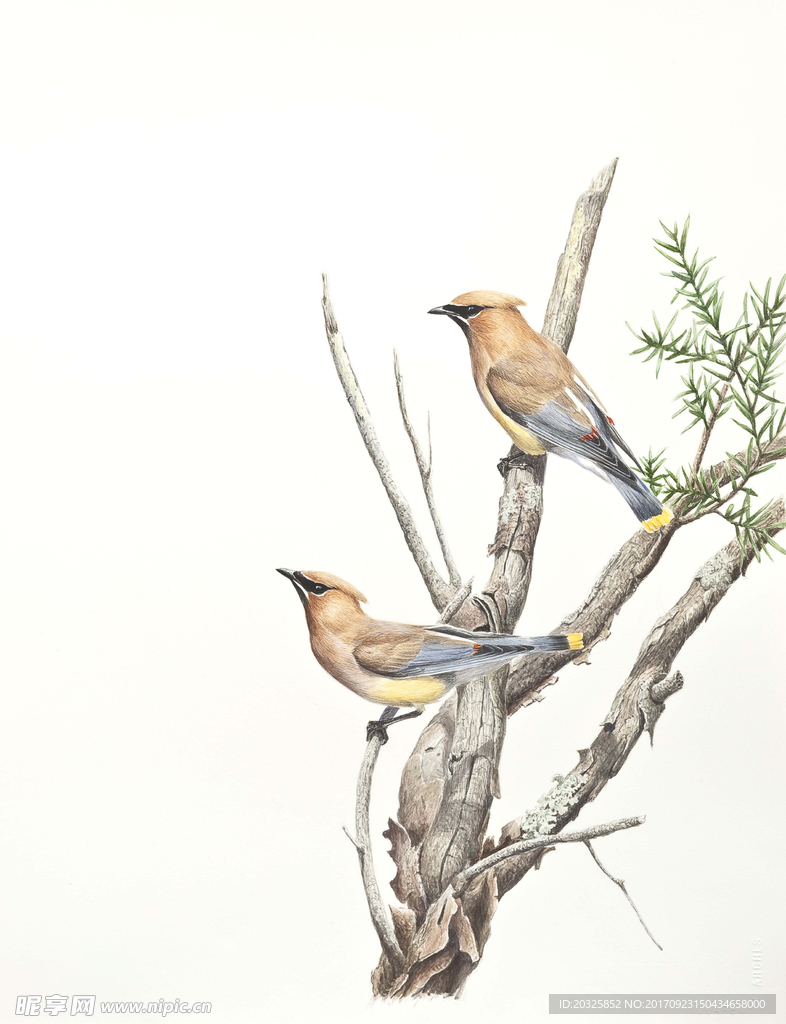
605, 426
557, 429
448, 649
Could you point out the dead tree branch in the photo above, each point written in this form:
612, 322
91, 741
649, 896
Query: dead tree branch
473, 724
617, 583
621, 884
424, 468
641, 700
439, 590
449, 877
462, 880
455, 926
521, 504
362, 843
457, 601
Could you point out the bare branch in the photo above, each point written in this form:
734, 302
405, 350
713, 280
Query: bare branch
462, 880
563, 308
350, 837
457, 601
617, 583
640, 701
424, 468
521, 505
621, 884
439, 590
379, 917
474, 721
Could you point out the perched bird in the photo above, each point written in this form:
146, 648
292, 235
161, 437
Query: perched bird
394, 664
535, 392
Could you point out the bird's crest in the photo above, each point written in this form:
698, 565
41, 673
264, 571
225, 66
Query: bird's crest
497, 300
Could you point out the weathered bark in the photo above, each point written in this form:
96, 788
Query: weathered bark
449, 875
641, 700
446, 792
441, 954
478, 730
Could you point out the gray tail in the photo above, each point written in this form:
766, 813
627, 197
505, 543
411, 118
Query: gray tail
558, 642
532, 644
642, 502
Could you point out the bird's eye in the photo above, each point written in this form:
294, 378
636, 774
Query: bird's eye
319, 588
473, 310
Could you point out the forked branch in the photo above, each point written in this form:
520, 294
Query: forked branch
439, 590
463, 879
424, 468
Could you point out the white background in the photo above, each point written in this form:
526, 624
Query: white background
176, 768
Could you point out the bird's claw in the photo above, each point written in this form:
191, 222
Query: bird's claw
509, 462
376, 728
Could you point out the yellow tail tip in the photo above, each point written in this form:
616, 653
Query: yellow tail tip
576, 641
651, 525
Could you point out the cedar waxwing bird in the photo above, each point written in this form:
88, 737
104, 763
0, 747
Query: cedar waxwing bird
394, 664
535, 392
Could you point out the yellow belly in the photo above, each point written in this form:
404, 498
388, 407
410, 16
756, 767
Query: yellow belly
403, 693
521, 436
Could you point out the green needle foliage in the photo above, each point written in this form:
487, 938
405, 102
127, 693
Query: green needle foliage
731, 370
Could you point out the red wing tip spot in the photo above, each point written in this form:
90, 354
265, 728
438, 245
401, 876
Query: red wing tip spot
611, 421
477, 647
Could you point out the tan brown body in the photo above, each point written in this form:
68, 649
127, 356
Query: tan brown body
397, 664
339, 629
538, 396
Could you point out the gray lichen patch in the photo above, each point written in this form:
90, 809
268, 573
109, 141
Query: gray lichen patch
552, 805
717, 573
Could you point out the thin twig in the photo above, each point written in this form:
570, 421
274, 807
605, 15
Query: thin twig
457, 601
350, 837
621, 884
461, 880
379, 916
439, 589
424, 468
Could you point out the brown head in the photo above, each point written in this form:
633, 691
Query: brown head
324, 595
482, 314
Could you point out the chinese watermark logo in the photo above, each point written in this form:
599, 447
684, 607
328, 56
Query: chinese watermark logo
35, 1006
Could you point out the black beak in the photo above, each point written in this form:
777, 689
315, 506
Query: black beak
299, 590
438, 309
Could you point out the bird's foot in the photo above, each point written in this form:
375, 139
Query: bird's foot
376, 728
511, 462
390, 716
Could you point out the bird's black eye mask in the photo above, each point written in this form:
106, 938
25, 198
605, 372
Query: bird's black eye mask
313, 588
465, 312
